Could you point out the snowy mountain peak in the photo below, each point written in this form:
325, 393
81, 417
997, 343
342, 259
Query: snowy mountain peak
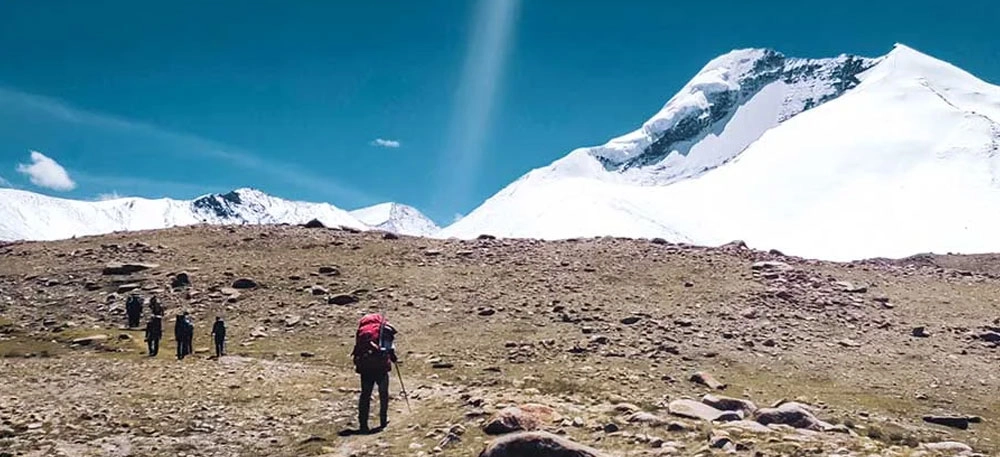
837, 158
396, 218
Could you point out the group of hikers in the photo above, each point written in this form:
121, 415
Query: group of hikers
373, 355
183, 328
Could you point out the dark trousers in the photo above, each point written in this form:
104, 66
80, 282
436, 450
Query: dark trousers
368, 382
133, 320
183, 347
220, 344
154, 346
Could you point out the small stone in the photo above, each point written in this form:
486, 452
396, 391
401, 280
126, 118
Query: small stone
342, 299
318, 290
329, 271
610, 427
90, 340
631, 320
487, 312
118, 268
708, 380
244, 283
920, 332
947, 447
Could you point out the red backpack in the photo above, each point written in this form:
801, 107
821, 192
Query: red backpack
369, 357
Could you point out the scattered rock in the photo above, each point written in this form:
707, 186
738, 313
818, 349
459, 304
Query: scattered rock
696, 410
537, 444
319, 290
770, 265
920, 332
314, 223
342, 299
650, 419
610, 427
959, 422
746, 426
849, 343
244, 283
90, 340
487, 312
990, 336
526, 417
181, 279
631, 320
746, 407
792, 414
292, 321
390, 236
329, 271
432, 253
118, 268
951, 447
307, 354
126, 288
658, 241
708, 380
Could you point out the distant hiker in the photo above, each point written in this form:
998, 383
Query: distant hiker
183, 333
219, 331
133, 310
155, 307
154, 331
373, 355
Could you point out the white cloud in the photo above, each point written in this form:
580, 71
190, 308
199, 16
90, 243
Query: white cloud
382, 143
109, 196
4, 182
47, 173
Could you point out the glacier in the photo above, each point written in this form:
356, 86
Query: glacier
854, 158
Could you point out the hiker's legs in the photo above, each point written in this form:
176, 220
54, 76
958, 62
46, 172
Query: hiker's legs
180, 349
218, 347
383, 399
154, 346
149, 347
364, 401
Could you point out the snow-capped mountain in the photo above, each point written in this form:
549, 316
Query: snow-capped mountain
838, 158
396, 218
30, 216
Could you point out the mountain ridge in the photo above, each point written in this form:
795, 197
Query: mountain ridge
26, 215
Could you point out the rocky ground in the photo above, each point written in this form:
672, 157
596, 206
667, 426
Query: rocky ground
603, 346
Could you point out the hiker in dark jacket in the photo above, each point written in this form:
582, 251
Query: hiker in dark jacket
155, 307
154, 331
219, 331
373, 356
133, 310
183, 332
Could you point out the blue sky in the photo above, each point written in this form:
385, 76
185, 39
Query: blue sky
187, 97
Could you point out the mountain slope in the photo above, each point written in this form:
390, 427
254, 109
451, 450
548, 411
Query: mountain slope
396, 218
904, 161
30, 216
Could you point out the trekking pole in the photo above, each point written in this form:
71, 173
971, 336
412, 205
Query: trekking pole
406, 396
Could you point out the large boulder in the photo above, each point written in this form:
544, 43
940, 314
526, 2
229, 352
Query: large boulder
792, 414
696, 410
537, 444
720, 402
526, 417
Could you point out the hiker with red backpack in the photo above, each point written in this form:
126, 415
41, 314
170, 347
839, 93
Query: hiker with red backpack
374, 353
